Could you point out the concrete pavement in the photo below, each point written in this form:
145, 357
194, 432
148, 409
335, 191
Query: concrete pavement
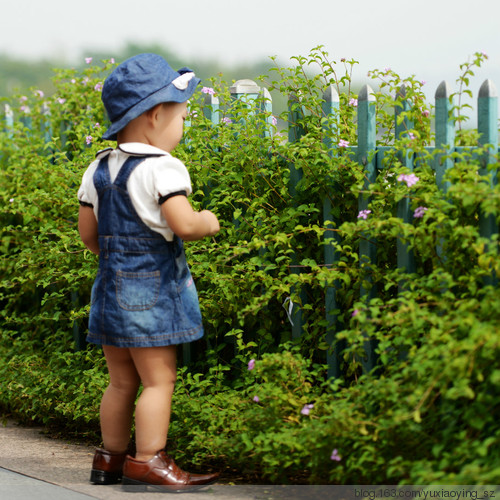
36, 466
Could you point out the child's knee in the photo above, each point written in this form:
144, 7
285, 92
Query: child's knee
125, 387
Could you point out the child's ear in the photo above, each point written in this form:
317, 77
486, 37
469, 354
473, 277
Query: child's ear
153, 113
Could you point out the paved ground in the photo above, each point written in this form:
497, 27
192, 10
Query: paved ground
35, 466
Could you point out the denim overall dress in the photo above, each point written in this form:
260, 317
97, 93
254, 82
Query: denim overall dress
143, 294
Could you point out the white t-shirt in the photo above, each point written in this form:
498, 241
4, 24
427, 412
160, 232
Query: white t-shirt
155, 177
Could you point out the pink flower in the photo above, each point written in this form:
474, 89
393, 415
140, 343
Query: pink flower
410, 179
251, 364
11, 200
88, 60
61, 100
208, 90
306, 409
353, 102
227, 120
363, 214
112, 60
335, 456
256, 399
355, 312
39, 93
343, 143
419, 212
88, 139
97, 125
98, 86
426, 113
274, 120
411, 135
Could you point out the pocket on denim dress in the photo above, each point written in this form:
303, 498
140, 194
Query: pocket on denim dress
137, 291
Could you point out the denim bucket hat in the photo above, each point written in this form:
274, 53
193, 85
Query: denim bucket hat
139, 84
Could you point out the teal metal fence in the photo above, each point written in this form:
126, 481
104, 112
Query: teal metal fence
371, 156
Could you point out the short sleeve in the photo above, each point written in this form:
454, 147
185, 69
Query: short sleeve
170, 176
87, 194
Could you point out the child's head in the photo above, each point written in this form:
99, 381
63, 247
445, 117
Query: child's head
141, 83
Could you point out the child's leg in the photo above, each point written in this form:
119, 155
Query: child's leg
157, 369
117, 405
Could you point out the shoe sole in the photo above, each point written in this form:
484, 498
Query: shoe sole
134, 486
103, 477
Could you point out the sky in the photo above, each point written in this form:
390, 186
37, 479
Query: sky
428, 38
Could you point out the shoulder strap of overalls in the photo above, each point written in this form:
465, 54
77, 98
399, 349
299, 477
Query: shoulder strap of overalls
102, 177
101, 174
127, 168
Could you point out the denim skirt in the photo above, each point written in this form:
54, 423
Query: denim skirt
143, 299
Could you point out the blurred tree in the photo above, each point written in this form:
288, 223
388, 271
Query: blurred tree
17, 76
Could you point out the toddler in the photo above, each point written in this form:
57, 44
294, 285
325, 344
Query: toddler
134, 213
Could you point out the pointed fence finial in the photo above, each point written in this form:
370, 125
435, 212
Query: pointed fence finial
488, 89
402, 91
443, 91
331, 94
366, 94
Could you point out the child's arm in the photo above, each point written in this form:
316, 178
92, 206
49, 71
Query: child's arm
87, 226
185, 222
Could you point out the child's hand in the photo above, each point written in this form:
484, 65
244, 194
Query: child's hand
212, 221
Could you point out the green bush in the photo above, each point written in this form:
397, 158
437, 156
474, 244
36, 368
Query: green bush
429, 411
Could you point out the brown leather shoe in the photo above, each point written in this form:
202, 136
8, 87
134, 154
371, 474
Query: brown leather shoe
161, 473
107, 467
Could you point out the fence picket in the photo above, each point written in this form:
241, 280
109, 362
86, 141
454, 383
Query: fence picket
366, 152
211, 110
487, 118
487, 121
295, 132
266, 107
444, 140
405, 257
445, 133
8, 118
330, 109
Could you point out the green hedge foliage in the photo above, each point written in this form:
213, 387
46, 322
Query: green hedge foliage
252, 398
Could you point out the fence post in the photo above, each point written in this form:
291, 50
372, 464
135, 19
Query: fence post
487, 118
366, 158
405, 257
8, 118
444, 142
211, 109
295, 132
266, 107
330, 108
445, 134
245, 91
